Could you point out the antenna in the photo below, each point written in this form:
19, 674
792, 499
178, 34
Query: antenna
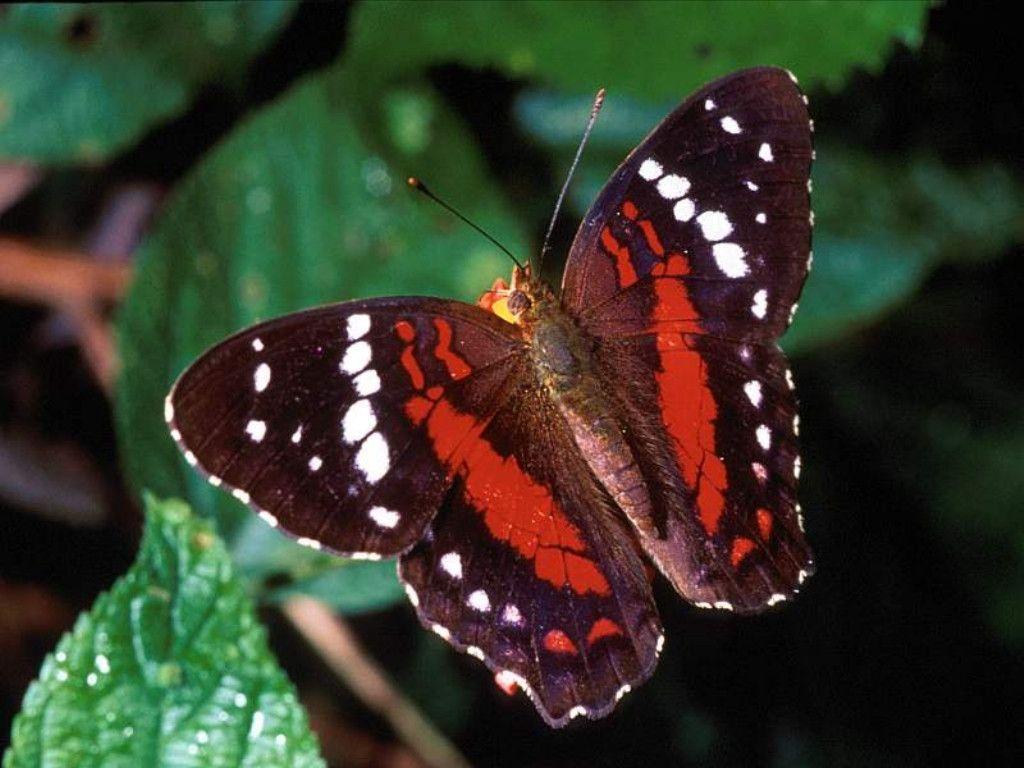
419, 186
598, 102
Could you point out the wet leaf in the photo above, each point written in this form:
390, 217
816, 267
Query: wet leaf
169, 668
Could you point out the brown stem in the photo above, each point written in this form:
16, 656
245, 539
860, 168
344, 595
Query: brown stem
331, 637
59, 278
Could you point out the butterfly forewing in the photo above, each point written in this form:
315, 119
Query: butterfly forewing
686, 270
529, 568
312, 418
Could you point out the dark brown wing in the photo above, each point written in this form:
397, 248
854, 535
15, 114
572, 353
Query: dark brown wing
311, 418
686, 271
529, 567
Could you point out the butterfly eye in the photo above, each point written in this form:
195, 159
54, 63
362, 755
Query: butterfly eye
519, 302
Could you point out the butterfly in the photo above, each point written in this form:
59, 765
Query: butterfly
532, 460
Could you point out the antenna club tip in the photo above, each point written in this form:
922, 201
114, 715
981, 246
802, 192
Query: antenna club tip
413, 182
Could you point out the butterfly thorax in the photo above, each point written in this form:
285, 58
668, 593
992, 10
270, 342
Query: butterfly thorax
562, 357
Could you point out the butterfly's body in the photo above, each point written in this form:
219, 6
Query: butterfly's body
561, 354
527, 466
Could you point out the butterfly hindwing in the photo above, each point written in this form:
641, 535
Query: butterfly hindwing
686, 271
529, 568
312, 418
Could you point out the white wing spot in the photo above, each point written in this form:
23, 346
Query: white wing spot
441, 632
373, 459
214, 481
268, 518
168, 410
751, 186
723, 605
367, 382
364, 556
730, 258
315, 463
684, 209
511, 615
451, 563
256, 430
623, 691
764, 436
789, 379
759, 307
578, 711
660, 644
752, 389
672, 187
796, 468
475, 652
729, 125
384, 517
479, 601
297, 435
765, 152
761, 218
792, 311
715, 225
709, 104
650, 169
413, 597
191, 458
802, 576
759, 471
302, 541
357, 357
257, 345
776, 598
261, 378
796, 424
358, 422
357, 326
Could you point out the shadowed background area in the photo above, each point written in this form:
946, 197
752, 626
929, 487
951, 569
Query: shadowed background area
169, 174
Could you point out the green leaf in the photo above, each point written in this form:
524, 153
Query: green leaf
654, 50
82, 82
883, 225
351, 588
169, 668
296, 208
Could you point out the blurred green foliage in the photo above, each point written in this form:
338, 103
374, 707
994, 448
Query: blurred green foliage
80, 84
171, 667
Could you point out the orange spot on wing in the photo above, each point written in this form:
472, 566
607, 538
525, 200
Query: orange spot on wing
407, 333
557, 641
528, 519
653, 242
623, 263
457, 367
417, 409
764, 523
630, 211
689, 412
741, 547
603, 627
405, 330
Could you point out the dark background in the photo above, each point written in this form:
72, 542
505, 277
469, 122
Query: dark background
904, 649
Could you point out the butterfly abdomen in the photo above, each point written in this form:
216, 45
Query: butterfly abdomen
562, 356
